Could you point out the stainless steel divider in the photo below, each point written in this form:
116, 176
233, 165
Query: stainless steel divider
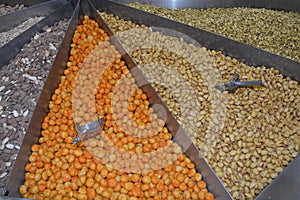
11, 20
11, 49
24, 2
288, 5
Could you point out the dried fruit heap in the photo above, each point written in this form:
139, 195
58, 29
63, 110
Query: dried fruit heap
57, 169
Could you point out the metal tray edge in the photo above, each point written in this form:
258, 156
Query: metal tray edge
288, 5
11, 49
6, 22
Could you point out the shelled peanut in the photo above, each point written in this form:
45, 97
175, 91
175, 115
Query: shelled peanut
58, 169
260, 131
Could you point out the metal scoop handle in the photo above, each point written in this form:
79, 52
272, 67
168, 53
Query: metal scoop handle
88, 130
249, 83
236, 83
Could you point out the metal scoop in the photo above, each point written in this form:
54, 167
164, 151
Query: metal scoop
236, 83
88, 130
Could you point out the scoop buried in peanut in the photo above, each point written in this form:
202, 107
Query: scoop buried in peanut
235, 83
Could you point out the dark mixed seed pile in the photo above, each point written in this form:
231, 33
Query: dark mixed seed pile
21, 83
5, 9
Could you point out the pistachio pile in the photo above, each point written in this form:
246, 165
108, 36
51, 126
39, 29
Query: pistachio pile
248, 136
7, 36
274, 31
6, 9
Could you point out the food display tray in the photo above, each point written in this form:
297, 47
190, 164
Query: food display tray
246, 53
33, 133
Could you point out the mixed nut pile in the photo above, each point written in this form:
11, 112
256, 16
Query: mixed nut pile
21, 83
274, 31
248, 136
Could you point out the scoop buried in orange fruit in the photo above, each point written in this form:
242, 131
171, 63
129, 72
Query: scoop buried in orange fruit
88, 130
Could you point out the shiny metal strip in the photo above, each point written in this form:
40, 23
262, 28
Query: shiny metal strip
11, 49
12, 20
288, 5
24, 2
